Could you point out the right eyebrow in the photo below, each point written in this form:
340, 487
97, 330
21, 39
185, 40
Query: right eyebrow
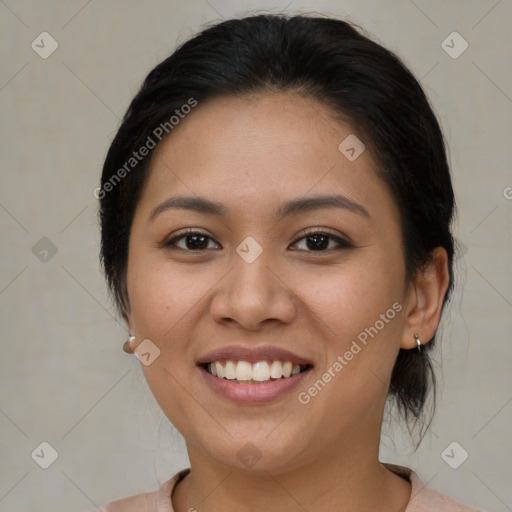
198, 204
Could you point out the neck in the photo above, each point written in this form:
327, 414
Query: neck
347, 478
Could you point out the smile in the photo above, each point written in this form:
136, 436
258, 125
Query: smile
244, 372
253, 374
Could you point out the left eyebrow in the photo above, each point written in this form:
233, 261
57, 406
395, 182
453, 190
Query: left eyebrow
316, 202
292, 207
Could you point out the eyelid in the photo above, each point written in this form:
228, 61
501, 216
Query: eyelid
343, 242
169, 242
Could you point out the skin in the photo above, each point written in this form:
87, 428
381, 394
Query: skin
252, 154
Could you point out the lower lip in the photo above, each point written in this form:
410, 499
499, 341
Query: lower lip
253, 393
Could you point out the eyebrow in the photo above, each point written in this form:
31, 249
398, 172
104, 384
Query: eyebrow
294, 206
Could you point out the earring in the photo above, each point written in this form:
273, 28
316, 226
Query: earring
417, 338
126, 345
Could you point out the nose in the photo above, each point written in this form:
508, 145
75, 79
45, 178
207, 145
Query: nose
253, 294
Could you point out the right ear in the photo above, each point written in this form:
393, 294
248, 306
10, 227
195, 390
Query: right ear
127, 317
124, 304
126, 314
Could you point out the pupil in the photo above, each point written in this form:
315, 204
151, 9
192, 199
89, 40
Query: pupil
199, 242
195, 245
317, 244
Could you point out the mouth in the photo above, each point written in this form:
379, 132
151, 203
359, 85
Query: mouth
250, 375
261, 372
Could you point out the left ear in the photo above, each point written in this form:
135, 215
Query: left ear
425, 300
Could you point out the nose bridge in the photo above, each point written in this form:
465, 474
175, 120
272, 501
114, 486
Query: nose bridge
252, 292
251, 272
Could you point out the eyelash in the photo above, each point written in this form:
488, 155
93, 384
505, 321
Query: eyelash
342, 244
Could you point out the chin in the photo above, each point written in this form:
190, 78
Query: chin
255, 451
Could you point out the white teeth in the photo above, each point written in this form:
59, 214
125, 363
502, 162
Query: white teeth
276, 370
220, 369
261, 371
230, 370
243, 370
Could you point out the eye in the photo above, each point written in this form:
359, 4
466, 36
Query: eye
194, 241
316, 241
319, 241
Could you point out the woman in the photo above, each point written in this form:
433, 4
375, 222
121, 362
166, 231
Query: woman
275, 214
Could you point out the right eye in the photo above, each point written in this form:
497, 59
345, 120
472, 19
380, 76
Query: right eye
194, 241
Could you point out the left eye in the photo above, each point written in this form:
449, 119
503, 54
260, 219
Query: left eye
318, 241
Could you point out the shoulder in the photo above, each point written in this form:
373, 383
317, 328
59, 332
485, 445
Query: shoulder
154, 501
145, 502
425, 499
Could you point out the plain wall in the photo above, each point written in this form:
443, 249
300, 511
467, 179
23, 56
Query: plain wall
64, 377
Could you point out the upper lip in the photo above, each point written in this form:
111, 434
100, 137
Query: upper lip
252, 355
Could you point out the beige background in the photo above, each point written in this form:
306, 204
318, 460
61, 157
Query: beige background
64, 378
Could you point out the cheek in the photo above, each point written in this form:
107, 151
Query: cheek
160, 295
359, 306
352, 297
163, 301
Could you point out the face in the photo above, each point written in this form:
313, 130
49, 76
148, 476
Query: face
275, 274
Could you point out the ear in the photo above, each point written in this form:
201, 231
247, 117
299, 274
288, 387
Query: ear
425, 300
125, 306
127, 317
128, 320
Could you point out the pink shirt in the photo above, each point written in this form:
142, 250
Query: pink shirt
422, 499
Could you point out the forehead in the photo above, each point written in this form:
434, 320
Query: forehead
261, 149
